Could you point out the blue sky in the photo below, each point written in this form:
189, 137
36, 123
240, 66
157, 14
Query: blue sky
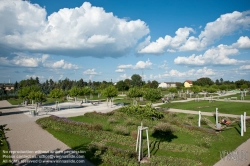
100, 40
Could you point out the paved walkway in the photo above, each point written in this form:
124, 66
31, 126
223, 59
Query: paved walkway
33, 145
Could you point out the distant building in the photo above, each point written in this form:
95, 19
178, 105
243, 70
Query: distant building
7, 87
167, 85
188, 84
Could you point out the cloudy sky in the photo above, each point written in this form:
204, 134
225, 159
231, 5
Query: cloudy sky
98, 40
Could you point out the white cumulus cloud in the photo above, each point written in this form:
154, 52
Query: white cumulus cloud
243, 42
90, 72
119, 70
81, 31
143, 65
245, 67
226, 24
215, 56
203, 72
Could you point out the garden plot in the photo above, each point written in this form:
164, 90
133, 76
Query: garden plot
175, 139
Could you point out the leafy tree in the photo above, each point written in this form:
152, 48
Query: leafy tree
86, 91
244, 86
56, 93
152, 94
135, 93
136, 80
37, 96
179, 85
23, 93
211, 90
154, 84
217, 82
75, 91
232, 86
203, 81
196, 89
128, 83
110, 92
172, 90
215, 86
221, 80
120, 85
223, 87
239, 83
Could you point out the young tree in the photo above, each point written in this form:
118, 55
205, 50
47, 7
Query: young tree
110, 92
56, 93
135, 93
172, 90
244, 86
75, 91
23, 93
196, 89
152, 94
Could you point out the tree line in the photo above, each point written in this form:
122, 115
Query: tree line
33, 89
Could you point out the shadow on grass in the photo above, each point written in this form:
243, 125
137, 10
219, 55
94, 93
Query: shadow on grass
89, 155
161, 137
237, 130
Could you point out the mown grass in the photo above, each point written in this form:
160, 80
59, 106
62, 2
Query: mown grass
238, 95
184, 146
226, 107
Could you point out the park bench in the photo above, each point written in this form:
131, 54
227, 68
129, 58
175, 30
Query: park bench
234, 98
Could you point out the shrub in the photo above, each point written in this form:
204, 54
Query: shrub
163, 128
142, 111
121, 130
112, 120
134, 134
93, 146
130, 122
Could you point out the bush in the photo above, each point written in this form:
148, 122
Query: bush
122, 130
130, 122
134, 134
163, 128
112, 120
142, 111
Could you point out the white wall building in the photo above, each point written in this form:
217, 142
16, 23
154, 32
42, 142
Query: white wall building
167, 85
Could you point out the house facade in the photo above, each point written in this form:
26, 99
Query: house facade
167, 85
7, 87
188, 84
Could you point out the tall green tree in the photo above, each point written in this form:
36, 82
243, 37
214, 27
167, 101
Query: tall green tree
120, 85
136, 80
154, 84
203, 81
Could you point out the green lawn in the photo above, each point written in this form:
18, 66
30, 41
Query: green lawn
247, 97
186, 144
228, 107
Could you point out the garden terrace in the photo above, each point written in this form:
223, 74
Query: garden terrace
110, 139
